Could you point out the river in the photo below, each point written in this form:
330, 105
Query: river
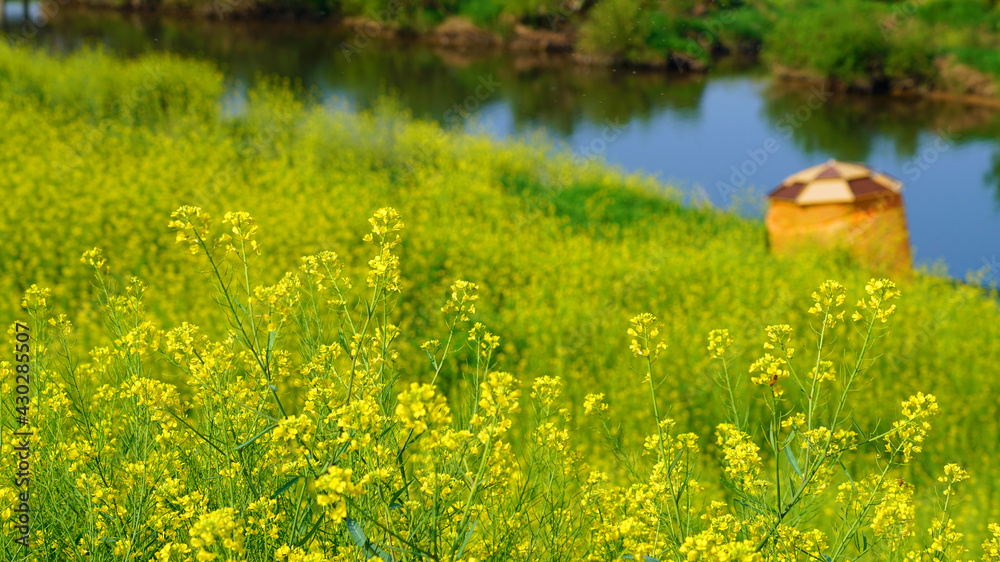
704, 134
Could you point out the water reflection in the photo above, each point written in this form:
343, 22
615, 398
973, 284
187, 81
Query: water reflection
13, 13
992, 177
542, 91
850, 125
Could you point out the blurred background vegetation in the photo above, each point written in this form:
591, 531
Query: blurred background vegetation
946, 45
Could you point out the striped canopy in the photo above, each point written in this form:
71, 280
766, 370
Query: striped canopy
835, 182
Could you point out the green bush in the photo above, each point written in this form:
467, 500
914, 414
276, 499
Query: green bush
959, 12
618, 28
852, 42
911, 53
745, 24
481, 12
840, 41
983, 59
641, 32
409, 14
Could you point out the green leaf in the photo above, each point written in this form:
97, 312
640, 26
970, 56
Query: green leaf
465, 542
864, 436
270, 341
343, 343
284, 487
841, 463
367, 547
305, 538
256, 437
789, 439
792, 461
399, 493
673, 463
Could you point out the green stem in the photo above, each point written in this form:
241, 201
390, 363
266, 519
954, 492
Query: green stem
859, 520
663, 454
810, 472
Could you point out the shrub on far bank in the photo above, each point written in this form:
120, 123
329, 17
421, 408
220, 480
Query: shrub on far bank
960, 12
617, 28
679, 33
842, 41
855, 43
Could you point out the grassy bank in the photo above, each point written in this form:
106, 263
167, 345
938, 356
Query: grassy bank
156, 438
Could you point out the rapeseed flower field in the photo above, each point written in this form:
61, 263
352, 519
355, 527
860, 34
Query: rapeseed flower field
295, 334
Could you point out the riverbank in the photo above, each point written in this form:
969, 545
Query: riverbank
927, 48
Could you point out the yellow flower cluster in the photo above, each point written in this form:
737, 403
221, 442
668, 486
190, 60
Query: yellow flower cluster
831, 294
594, 403
217, 532
323, 268
991, 547
383, 269
244, 234
907, 435
335, 487
780, 335
421, 406
741, 461
953, 474
718, 342
705, 546
192, 226
771, 370
498, 395
825, 371
645, 330
880, 291
36, 298
894, 515
462, 301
